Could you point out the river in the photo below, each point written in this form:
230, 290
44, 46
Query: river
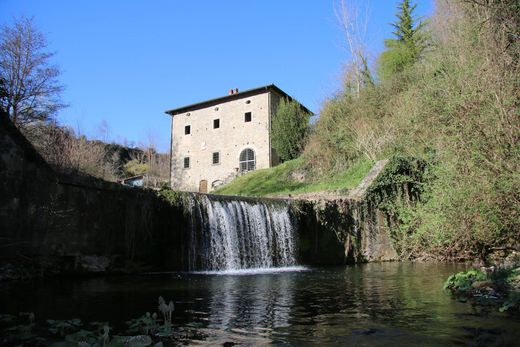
401, 304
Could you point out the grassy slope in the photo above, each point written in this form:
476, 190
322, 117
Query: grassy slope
278, 180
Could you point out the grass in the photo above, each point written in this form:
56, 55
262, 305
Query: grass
279, 181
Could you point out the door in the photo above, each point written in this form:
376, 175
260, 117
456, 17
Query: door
203, 186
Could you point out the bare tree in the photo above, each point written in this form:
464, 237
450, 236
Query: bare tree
103, 131
71, 152
353, 16
31, 89
158, 163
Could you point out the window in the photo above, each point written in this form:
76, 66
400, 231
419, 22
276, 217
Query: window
247, 160
187, 130
216, 123
187, 162
247, 117
216, 158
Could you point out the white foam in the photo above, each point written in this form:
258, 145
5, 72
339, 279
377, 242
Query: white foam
239, 234
253, 271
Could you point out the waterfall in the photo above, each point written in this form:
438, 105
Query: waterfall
235, 234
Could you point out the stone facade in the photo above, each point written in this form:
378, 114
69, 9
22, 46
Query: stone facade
208, 138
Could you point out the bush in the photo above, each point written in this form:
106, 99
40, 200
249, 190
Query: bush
499, 287
462, 282
289, 129
456, 108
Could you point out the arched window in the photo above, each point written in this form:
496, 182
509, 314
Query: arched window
247, 160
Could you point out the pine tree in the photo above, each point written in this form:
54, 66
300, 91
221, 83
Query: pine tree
408, 29
408, 45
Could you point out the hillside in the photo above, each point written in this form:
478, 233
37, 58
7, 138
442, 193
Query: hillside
289, 179
453, 107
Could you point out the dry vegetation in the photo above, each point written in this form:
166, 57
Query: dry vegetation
71, 153
458, 108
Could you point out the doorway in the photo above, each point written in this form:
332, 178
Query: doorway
203, 186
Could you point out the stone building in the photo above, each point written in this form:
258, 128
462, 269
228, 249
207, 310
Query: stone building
215, 140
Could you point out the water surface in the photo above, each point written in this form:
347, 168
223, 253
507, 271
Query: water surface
400, 304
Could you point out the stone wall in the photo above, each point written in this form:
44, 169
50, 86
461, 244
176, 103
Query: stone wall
343, 231
56, 223
349, 229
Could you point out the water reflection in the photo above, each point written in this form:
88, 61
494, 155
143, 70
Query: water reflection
256, 304
373, 304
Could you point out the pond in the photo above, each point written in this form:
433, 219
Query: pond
363, 305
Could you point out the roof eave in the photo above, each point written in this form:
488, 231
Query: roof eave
221, 99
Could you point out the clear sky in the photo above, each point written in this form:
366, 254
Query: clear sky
125, 62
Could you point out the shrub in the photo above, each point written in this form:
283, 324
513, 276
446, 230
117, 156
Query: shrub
289, 129
456, 108
462, 281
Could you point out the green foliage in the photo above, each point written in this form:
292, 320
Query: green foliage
173, 197
82, 336
367, 80
457, 109
282, 180
61, 327
289, 129
19, 330
397, 57
134, 167
145, 324
165, 330
402, 179
407, 27
264, 181
500, 286
146, 330
410, 42
463, 281
22, 332
512, 302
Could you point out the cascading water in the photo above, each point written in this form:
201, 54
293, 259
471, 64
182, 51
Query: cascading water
235, 234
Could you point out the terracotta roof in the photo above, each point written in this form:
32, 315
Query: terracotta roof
226, 98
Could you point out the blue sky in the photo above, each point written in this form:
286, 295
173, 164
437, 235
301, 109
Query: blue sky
125, 62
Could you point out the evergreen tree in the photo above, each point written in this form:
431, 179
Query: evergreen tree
366, 76
408, 45
408, 29
289, 129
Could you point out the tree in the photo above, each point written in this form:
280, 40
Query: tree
353, 19
70, 152
410, 42
31, 89
289, 129
407, 28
